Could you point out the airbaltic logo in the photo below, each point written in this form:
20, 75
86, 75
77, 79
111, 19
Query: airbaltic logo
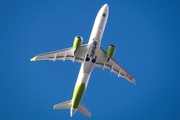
93, 49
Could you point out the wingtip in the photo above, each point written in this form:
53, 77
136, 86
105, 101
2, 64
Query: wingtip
33, 59
54, 107
134, 82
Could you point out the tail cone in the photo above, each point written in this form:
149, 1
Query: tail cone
72, 111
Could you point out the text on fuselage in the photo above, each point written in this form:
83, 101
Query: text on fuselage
94, 47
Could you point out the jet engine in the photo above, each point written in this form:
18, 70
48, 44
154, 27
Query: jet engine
77, 42
111, 51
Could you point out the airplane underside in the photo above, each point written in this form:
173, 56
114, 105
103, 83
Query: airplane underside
89, 55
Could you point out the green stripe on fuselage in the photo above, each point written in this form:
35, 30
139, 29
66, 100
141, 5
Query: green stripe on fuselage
77, 95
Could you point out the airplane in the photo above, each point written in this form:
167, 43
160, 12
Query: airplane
89, 55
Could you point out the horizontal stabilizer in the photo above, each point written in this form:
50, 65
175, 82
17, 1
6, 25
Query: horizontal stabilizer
63, 105
84, 110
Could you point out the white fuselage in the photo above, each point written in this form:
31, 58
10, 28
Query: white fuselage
94, 46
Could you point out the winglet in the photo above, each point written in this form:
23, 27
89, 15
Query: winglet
33, 59
134, 82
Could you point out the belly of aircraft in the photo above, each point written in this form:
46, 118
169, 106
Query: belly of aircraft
91, 57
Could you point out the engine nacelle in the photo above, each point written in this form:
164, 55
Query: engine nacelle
77, 42
111, 51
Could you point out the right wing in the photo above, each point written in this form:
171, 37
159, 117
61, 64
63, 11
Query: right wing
112, 65
64, 54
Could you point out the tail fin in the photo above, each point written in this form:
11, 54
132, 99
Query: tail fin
64, 105
67, 105
84, 110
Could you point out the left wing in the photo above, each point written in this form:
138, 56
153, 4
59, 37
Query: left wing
112, 65
64, 54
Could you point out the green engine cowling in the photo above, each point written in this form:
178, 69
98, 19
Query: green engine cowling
111, 51
77, 42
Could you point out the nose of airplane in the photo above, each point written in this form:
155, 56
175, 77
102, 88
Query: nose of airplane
106, 7
72, 111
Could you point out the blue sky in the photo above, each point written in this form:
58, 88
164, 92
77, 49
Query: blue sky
147, 38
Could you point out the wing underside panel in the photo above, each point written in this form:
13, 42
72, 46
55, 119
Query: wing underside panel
64, 54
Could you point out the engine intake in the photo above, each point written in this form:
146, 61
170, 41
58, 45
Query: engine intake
77, 42
111, 51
